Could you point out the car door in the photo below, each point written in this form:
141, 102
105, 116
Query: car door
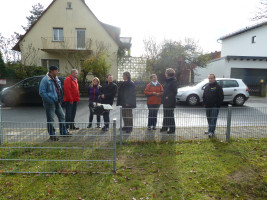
30, 91
230, 88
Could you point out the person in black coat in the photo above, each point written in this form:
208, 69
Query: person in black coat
107, 93
127, 99
169, 101
212, 100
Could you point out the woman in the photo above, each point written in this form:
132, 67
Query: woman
153, 91
169, 101
127, 99
94, 97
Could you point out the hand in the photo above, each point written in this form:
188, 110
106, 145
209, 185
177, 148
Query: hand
154, 93
127, 105
103, 96
71, 102
166, 98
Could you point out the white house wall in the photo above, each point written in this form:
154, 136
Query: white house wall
241, 45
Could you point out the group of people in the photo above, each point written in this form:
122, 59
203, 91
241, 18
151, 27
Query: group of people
52, 95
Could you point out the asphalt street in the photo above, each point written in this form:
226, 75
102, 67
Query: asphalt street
254, 111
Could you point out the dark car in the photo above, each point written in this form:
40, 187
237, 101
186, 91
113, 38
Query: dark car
24, 92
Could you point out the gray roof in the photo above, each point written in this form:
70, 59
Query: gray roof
248, 28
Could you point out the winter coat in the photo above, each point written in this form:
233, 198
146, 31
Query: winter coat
71, 90
152, 98
94, 93
127, 95
47, 90
213, 95
169, 91
109, 90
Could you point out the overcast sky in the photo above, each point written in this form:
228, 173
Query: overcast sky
203, 20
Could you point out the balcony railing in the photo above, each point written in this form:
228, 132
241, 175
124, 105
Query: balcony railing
66, 44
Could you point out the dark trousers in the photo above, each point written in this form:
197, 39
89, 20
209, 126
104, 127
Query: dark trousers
152, 114
127, 116
212, 115
91, 116
168, 119
70, 114
106, 118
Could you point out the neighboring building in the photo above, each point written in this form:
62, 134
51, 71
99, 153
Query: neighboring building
243, 55
66, 34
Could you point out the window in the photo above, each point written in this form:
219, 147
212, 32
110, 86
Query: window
230, 83
69, 5
253, 39
50, 62
58, 34
80, 38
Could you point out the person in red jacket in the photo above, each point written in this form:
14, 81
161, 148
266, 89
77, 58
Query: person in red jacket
71, 97
153, 91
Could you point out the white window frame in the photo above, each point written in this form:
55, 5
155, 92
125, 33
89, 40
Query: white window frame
58, 35
48, 65
76, 38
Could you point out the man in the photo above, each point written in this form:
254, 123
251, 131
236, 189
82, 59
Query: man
212, 100
71, 97
52, 95
108, 92
169, 101
127, 99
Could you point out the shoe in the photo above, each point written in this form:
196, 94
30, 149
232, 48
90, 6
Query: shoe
163, 130
67, 130
98, 126
129, 131
104, 129
89, 126
149, 128
206, 132
53, 138
171, 131
154, 128
124, 128
211, 135
74, 128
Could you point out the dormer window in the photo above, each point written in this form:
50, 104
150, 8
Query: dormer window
253, 39
69, 5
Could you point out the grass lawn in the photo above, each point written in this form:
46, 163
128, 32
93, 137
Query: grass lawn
207, 169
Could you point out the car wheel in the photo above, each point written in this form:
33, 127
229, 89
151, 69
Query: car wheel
239, 100
10, 101
192, 100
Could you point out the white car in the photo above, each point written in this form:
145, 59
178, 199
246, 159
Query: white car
235, 91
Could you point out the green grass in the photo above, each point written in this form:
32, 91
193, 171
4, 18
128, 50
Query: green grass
207, 169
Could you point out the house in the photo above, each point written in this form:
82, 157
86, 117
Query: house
243, 55
66, 34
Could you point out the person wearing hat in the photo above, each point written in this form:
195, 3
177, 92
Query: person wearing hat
52, 95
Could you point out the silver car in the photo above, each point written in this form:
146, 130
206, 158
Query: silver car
235, 91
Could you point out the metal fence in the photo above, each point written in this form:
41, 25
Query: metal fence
26, 148
191, 124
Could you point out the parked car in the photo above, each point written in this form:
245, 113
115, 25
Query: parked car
24, 92
235, 91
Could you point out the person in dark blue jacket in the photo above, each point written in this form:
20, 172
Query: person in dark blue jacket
169, 101
212, 100
108, 92
52, 95
127, 99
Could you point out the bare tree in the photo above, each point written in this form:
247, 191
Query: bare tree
261, 12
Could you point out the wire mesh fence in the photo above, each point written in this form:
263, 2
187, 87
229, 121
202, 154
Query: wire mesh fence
27, 148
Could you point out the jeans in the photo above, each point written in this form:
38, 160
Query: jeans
212, 114
91, 116
168, 119
51, 110
106, 118
152, 114
70, 114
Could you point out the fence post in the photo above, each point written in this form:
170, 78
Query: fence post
1, 132
229, 116
120, 125
114, 145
